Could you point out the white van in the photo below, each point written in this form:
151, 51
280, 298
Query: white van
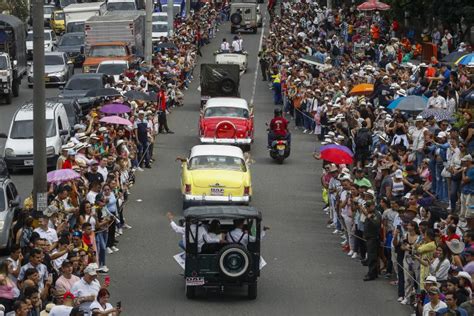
19, 145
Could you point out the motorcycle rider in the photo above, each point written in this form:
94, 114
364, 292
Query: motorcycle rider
278, 128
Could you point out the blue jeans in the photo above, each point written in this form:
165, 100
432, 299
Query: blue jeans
441, 184
181, 245
432, 167
101, 241
277, 93
419, 158
298, 118
455, 190
308, 122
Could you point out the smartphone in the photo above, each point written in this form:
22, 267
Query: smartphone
107, 279
119, 304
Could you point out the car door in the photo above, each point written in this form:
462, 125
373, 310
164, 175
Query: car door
13, 200
62, 125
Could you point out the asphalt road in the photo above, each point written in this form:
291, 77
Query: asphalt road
306, 274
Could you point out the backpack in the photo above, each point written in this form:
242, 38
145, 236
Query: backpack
363, 139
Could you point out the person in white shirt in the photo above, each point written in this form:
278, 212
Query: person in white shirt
46, 232
102, 168
225, 46
101, 306
239, 236
436, 101
87, 288
237, 45
435, 304
65, 308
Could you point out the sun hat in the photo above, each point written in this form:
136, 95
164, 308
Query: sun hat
455, 246
67, 146
333, 168
91, 269
464, 274
466, 158
398, 174
419, 118
71, 152
50, 210
441, 135
432, 280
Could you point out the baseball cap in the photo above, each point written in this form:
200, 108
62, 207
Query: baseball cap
466, 158
91, 269
441, 134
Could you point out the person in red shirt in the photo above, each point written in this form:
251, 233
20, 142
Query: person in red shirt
278, 128
70, 160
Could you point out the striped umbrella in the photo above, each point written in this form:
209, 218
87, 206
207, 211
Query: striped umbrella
467, 60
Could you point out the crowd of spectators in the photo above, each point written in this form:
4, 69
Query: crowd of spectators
403, 206
59, 253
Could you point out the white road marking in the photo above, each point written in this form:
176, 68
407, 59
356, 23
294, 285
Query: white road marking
258, 63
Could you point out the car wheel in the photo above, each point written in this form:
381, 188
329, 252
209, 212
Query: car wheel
8, 98
234, 261
186, 204
6, 250
252, 291
16, 87
30, 86
254, 31
190, 292
228, 86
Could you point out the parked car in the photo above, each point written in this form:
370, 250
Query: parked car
50, 42
215, 174
160, 17
9, 206
226, 121
113, 68
223, 265
57, 69
19, 145
73, 45
79, 84
158, 30
57, 22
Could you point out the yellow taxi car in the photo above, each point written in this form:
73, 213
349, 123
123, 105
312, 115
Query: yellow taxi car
56, 22
215, 174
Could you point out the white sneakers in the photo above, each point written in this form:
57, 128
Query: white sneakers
109, 250
336, 231
350, 253
405, 301
115, 249
400, 299
126, 226
355, 256
103, 269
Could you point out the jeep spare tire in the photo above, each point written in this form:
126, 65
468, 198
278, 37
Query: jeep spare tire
225, 129
236, 18
234, 261
227, 86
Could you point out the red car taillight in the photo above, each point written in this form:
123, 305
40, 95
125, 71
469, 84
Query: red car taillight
246, 190
187, 188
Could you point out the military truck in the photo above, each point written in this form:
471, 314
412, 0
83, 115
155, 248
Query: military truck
13, 64
219, 80
243, 17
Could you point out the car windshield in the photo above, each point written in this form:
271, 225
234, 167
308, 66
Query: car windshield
59, 16
71, 40
160, 28
24, 129
108, 51
75, 27
3, 63
116, 6
226, 111
50, 60
83, 84
112, 69
160, 18
176, 8
48, 10
217, 162
2, 200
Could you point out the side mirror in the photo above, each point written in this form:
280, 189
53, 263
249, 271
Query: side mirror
14, 204
3, 135
63, 132
69, 62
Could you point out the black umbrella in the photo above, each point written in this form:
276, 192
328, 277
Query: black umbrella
166, 45
453, 57
103, 92
138, 95
469, 98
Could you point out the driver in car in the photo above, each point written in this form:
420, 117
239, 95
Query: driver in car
278, 128
240, 236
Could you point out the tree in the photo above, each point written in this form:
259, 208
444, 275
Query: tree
18, 8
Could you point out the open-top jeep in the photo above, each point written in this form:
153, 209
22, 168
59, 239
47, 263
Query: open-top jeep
220, 265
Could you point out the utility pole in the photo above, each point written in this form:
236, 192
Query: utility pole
170, 17
148, 32
329, 4
187, 5
39, 110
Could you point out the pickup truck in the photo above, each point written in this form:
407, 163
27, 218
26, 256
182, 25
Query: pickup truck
107, 51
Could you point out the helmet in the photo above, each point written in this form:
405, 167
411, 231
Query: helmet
277, 112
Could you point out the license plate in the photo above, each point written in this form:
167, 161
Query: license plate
217, 191
194, 281
28, 162
280, 147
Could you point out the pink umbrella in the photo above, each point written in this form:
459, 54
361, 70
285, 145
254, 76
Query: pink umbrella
372, 5
62, 175
115, 108
115, 120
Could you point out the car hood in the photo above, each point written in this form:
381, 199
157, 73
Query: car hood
53, 68
209, 125
204, 178
25, 146
70, 49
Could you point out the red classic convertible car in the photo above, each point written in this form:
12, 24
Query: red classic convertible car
226, 121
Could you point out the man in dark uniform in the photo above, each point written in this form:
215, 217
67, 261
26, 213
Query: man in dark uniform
262, 55
372, 236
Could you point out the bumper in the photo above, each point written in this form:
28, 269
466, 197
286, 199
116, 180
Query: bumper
26, 162
232, 141
50, 80
217, 199
245, 27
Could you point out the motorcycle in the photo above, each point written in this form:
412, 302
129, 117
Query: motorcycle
280, 149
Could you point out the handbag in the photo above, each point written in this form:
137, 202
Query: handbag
445, 173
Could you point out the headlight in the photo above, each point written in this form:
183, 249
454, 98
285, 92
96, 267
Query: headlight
9, 152
50, 151
86, 68
46, 45
56, 74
